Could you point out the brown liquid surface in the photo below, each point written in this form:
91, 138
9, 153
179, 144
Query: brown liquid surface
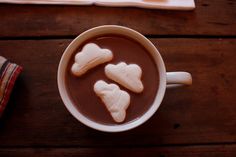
124, 49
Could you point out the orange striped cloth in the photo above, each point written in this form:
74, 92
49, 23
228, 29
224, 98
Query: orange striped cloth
8, 74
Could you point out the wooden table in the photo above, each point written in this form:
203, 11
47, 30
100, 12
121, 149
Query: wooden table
195, 121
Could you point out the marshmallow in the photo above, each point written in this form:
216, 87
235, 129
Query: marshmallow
90, 56
115, 99
128, 76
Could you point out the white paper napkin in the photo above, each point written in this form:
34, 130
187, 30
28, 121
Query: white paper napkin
152, 4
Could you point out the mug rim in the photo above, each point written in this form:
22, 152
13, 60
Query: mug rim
101, 30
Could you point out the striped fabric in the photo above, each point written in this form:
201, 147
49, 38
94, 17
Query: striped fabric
8, 74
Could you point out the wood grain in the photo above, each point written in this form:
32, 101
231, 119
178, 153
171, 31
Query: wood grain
210, 17
201, 114
192, 151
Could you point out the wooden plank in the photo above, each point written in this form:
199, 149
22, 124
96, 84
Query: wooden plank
210, 18
203, 113
193, 151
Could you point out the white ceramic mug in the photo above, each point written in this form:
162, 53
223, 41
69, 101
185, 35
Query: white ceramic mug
174, 78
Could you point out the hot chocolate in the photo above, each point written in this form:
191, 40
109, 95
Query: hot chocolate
126, 50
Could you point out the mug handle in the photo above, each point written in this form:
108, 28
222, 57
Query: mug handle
175, 79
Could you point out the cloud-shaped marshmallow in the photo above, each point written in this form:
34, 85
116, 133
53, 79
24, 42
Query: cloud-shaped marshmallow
128, 76
90, 56
115, 99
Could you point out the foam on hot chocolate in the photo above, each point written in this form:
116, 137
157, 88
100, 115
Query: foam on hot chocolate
115, 99
128, 76
90, 56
